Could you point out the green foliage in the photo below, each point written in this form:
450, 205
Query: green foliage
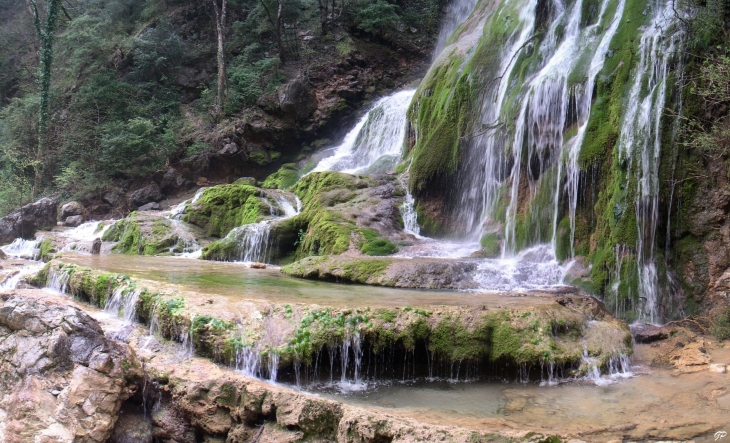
375, 17
720, 326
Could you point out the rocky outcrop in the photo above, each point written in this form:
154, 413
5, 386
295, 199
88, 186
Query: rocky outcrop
74, 220
297, 99
63, 380
29, 219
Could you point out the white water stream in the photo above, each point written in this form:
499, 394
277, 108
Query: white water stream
375, 144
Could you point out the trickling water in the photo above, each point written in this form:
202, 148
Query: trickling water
178, 211
410, 216
58, 280
376, 142
640, 144
123, 303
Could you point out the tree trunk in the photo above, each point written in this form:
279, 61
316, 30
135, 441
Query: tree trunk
278, 32
45, 35
220, 24
277, 27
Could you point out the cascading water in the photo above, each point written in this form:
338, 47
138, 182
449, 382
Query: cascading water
253, 241
123, 303
23, 249
58, 280
376, 142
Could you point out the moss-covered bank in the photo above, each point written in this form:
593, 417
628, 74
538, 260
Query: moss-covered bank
550, 331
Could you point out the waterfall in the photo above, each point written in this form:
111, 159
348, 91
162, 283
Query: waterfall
548, 102
410, 217
177, 211
376, 142
640, 145
456, 12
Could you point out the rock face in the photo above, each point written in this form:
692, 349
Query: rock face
296, 98
29, 219
145, 195
63, 380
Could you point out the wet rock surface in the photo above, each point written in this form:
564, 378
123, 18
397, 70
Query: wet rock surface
29, 219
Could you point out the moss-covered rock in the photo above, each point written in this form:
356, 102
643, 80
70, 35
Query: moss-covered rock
222, 208
284, 178
149, 235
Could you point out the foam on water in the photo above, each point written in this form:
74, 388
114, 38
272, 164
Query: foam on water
23, 249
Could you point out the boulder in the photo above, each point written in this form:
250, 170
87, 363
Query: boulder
3, 255
646, 333
96, 246
74, 220
154, 206
29, 219
297, 99
149, 193
71, 208
113, 197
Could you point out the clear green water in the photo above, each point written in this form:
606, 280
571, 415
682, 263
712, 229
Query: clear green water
238, 281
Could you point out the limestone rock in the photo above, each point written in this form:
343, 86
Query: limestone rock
64, 381
29, 219
71, 208
258, 265
690, 358
145, 195
3, 255
74, 220
172, 181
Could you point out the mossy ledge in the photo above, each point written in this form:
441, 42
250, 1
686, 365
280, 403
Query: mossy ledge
553, 330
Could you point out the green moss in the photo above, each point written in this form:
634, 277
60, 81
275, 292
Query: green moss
491, 246
323, 189
222, 208
379, 246
47, 250
157, 238
441, 113
359, 271
284, 178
